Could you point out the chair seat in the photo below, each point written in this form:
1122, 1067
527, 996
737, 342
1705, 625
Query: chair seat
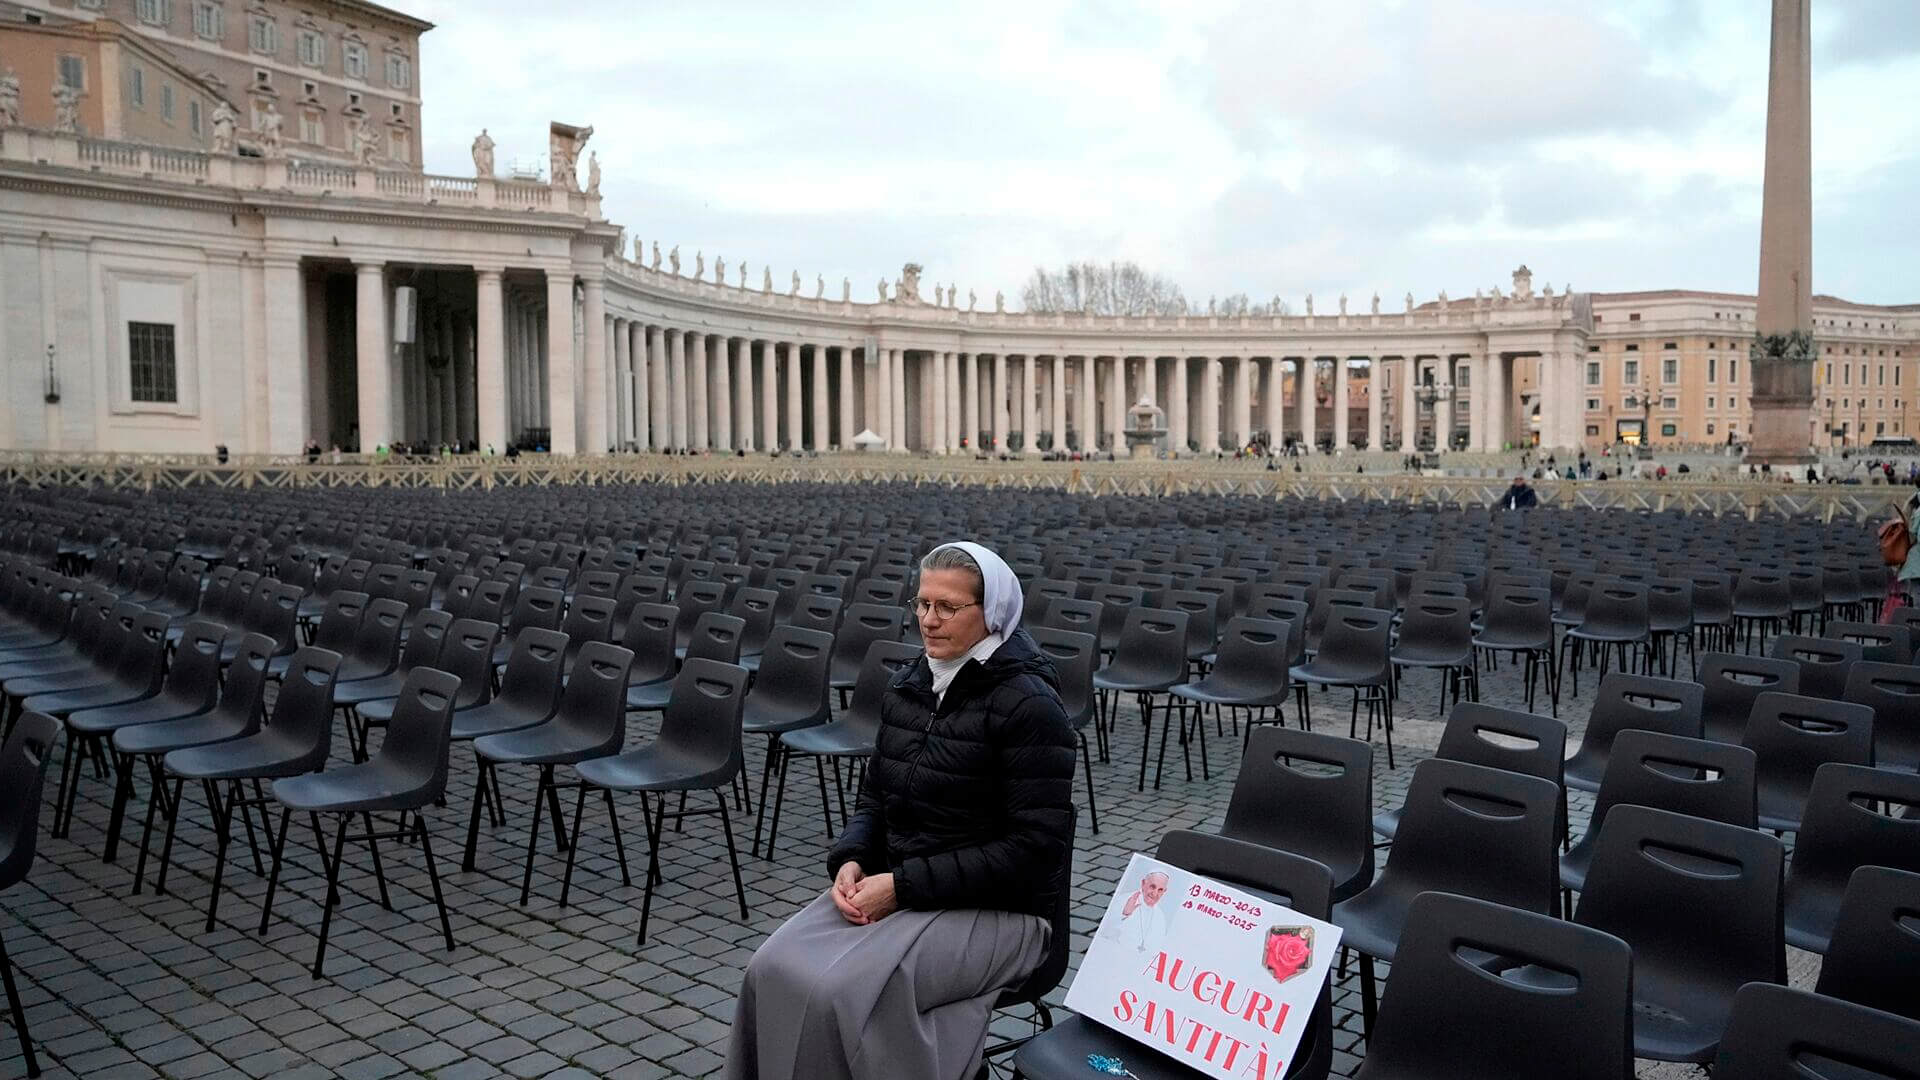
1811, 914
653, 695
170, 735
1215, 692
56, 681
1137, 682
542, 744
91, 697
1416, 656
368, 690
829, 740
372, 786
1607, 636
1780, 810
1482, 641
258, 756
1661, 1030
766, 721
1387, 822
494, 718
377, 711
652, 768
1321, 673
153, 710
1371, 922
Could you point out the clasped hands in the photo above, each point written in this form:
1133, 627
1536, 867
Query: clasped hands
863, 899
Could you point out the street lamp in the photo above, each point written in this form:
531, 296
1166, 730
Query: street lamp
1432, 394
1644, 402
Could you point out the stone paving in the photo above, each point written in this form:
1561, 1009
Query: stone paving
118, 985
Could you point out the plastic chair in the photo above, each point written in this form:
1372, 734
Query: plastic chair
1528, 744
1615, 616
1446, 1017
1823, 662
23, 780
1700, 903
715, 637
1670, 620
1249, 673
1150, 658
533, 609
1879, 643
1702, 779
408, 775
860, 626
1732, 683
1519, 621
1075, 656
1309, 794
1849, 823
1873, 953
1632, 702
1782, 1034
1465, 829
1437, 632
1299, 884
789, 693
589, 722
1892, 691
1791, 737
698, 749
422, 649
1353, 653
1763, 601
295, 740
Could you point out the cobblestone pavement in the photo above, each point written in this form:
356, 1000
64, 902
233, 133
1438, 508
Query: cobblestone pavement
118, 985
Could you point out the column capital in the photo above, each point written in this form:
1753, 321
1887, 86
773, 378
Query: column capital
369, 266
489, 273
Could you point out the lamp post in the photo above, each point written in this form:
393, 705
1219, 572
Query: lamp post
1433, 394
52, 396
1644, 403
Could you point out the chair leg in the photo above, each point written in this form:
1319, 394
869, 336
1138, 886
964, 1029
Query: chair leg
553, 805
223, 835
733, 855
1146, 736
1086, 759
1369, 1002
19, 1013
333, 887
155, 797
826, 808
779, 803
433, 875
273, 876
117, 817
775, 748
473, 819
379, 872
655, 825
579, 811
166, 849
533, 831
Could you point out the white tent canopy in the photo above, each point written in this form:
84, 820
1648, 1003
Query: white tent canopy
867, 438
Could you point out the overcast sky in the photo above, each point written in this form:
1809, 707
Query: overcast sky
1259, 146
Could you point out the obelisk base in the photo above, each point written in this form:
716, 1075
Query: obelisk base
1780, 431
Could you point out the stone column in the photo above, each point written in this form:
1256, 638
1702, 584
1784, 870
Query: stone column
847, 428
1057, 390
640, 397
822, 431
1117, 403
1342, 401
968, 379
1306, 402
564, 437
769, 395
1549, 391
677, 386
1443, 408
1275, 402
371, 355
699, 382
659, 396
490, 369
722, 393
897, 383
997, 402
1210, 380
1029, 408
1409, 404
1242, 401
288, 366
1496, 410
449, 394
593, 311
1376, 397
1083, 405
796, 432
622, 381
1179, 408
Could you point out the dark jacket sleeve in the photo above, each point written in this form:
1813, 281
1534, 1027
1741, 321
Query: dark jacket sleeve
1034, 750
864, 840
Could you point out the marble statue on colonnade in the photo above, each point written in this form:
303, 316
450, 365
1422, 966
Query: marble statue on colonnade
846, 290
1309, 305
766, 280
883, 290
999, 302
939, 296
1376, 302
907, 288
269, 132
483, 158
9, 99
970, 300
743, 275
719, 270
673, 260
656, 254
699, 266
1343, 303
1443, 299
565, 144
819, 286
223, 123
593, 173
1409, 303
795, 290
66, 110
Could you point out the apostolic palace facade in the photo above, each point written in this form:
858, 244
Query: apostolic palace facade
215, 231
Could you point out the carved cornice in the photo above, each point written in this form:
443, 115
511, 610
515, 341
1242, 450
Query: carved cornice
1792, 347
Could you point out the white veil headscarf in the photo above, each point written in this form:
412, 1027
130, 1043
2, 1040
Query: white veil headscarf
1000, 600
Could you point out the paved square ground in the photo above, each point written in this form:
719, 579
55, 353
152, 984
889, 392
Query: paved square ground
119, 985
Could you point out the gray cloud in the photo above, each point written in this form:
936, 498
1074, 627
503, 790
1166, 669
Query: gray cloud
1869, 31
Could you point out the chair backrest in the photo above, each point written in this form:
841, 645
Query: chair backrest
883, 660
1153, 645
861, 625
589, 619
794, 670
1875, 948
1777, 1033
694, 599
1731, 683
1508, 739
458, 597
23, 774
1823, 662
1357, 638
593, 706
598, 583
1852, 819
489, 601
193, 678
1700, 902
531, 681
1792, 735
1704, 779
467, 655
303, 711
1442, 1015
755, 609
716, 637
1075, 656
1642, 703
702, 722
1880, 643
414, 754
649, 634
426, 636
814, 612
1436, 621
1310, 794
1253, 659
1892, 691
1074, 614
1479, 832
536, 607
637, 588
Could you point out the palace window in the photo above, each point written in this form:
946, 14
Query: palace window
154, 12
1630, 372
1713, 367
1669, 370
398, 148
1669, 403
193, 116
1593, 404
1709, 428
1593, 429
353, 59
73, 72
209, 21
312, 48
1896, 374
1733, 370
137, 87
399, 71
313, 128
1710, 402
1668, 431
150, 354
1846, 374
263, 35
1880, 375
1829, 379
1593, 374
166, 102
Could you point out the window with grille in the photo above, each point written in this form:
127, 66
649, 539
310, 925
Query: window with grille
1630, 372
263, 35
209, 21
137, 87
1669, 370
156, 12
73, 72
399, 71
1713, 369
1593, 374
1733, 371
313, 128
193, 116
312, 48
150, 356
166, 102
1668, 431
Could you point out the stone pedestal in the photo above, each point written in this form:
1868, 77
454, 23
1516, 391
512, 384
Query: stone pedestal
1783, 352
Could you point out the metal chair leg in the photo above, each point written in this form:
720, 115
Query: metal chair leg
433, 875
19, 1013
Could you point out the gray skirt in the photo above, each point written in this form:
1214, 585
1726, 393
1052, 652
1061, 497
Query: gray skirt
908, 996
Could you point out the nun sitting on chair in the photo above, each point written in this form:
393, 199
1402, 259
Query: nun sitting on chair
945, 878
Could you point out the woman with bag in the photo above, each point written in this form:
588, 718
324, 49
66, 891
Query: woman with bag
1894, 536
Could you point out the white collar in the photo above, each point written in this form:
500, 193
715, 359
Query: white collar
945, 670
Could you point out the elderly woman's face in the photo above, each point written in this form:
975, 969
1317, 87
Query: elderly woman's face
956, 590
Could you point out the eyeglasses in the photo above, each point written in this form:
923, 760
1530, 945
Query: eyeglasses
942, 611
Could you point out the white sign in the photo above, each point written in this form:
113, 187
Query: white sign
1211, 975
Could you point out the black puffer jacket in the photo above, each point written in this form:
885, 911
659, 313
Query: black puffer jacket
968, 802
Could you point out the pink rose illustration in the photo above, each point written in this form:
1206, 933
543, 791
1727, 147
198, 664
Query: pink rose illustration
1288, 950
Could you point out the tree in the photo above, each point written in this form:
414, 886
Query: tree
1115, 288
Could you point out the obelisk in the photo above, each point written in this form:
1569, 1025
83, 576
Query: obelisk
1783, 352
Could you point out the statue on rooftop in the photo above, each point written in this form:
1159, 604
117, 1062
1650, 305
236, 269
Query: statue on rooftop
269, 132
1443, 299
1343, 303
719, 270
743, 275
999, 302
907, 289
1309, 305
795, 290
1376, 302
1409, 303
223, 123
9, 99
846, 291
699, 265
883, 290
593, 173
366, 145
673, 260
819, 286
483, 155
970, 300
939, 296
766, 280
66, 109
656, 254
